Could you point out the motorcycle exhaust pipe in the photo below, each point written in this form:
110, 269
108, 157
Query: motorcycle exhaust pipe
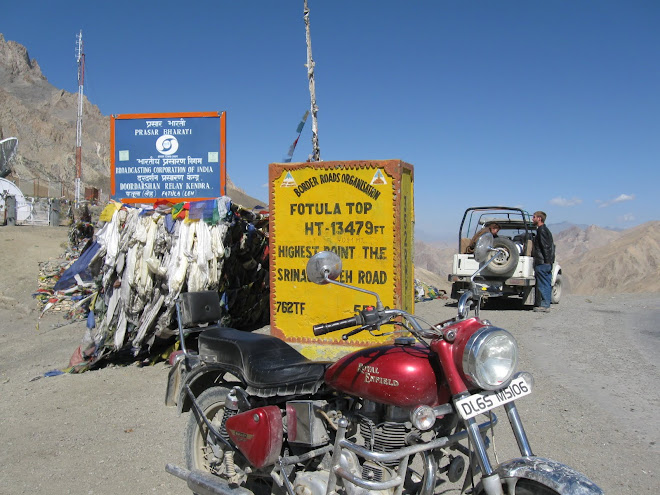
203, 483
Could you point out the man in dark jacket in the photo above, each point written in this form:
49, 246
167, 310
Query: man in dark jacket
544, 257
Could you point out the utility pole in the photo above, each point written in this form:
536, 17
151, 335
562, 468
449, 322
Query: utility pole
80, 59
316, 152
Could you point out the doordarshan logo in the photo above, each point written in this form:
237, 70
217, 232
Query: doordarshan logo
167, 145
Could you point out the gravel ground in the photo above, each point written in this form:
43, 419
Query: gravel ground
595, 361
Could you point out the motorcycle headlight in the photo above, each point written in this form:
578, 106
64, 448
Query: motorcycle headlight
490, 358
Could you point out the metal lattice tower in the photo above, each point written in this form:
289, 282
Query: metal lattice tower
80, 59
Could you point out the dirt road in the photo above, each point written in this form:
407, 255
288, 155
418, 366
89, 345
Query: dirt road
595, 361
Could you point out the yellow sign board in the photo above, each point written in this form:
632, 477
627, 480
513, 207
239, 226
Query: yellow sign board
361, 210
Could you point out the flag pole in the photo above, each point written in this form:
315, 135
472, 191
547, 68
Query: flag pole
316, 152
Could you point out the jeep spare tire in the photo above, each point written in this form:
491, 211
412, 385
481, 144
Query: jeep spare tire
506, 259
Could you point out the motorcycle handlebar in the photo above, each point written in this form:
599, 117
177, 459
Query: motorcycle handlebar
333, 326
372, 318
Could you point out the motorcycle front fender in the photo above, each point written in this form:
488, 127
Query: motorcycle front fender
559, 477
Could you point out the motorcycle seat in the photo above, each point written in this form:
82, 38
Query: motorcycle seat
264, 362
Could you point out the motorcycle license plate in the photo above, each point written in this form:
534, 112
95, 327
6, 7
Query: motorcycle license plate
469, 407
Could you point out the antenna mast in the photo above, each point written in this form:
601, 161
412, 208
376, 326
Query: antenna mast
80, 59
316, 152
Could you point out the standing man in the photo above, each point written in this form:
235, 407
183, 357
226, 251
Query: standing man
544, 257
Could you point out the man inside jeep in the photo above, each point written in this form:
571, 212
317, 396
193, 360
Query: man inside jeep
493, 228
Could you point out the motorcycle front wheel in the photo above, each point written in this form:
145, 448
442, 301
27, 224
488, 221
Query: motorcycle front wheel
524, 486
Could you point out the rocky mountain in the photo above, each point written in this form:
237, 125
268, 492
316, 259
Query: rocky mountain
43, 118
575, 241
433, 263
556, 228
628, 263
433, 279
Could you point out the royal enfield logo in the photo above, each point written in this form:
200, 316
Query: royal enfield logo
239, 436
371, 375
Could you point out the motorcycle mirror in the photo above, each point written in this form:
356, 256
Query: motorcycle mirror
322, 264
484, 245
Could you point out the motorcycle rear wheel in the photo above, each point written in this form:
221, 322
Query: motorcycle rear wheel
198, 453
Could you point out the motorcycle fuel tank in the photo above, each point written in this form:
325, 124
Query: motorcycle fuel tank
398, 375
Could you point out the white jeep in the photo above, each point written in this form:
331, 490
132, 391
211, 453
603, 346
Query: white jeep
512, 272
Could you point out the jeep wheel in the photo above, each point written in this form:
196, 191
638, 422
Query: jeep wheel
505, 261
556, 290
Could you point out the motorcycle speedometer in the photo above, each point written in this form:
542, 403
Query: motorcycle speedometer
490, 358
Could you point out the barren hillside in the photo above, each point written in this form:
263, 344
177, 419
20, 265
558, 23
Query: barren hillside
43, 118
433, 279
575, 241
434, 258
627, 264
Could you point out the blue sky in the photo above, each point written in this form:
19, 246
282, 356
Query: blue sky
551, 105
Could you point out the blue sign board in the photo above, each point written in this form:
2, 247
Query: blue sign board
167, 156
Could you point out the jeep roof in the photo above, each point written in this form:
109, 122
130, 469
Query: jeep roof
511, 220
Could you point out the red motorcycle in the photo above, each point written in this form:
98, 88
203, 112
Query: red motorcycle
406, 417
